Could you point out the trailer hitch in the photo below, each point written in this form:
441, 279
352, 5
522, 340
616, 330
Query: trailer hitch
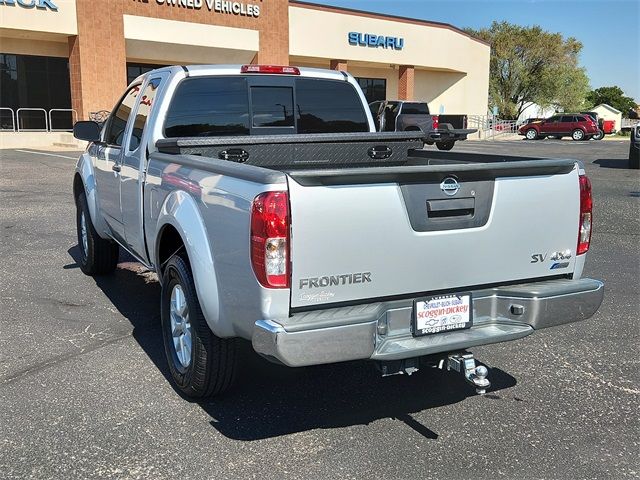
466, 364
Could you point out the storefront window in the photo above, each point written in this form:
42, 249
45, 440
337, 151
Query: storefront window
134, 70
374, 89
28, 81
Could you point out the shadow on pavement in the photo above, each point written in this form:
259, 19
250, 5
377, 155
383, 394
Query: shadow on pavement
613, 162
271, 400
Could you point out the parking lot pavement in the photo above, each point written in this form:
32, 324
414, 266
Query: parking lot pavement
84, 391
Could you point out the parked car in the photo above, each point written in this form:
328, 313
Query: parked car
405, 116
317, 238
576, 126
530, 120
601, 125
634, 148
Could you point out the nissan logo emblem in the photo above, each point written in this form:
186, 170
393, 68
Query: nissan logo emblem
450, 186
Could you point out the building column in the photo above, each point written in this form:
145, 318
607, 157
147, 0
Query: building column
340, 65
97, 57
406, 82
274, 35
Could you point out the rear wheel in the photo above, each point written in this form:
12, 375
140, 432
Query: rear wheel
445, 145
531, 134
577, 135
599, 135
97, 255
201, 364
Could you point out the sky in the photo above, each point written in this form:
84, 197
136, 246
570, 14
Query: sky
608, 29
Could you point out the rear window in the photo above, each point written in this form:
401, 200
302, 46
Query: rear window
272, 106
209, 107
327, 106
219, 106
415, 109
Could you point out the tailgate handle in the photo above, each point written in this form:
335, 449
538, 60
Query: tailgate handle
458, 207
234, 154
380, 152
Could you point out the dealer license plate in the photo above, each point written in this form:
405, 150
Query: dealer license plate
442, 313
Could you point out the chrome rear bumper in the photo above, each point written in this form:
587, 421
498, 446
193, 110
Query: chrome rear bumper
382, 331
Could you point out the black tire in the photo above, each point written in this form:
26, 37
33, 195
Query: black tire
429, 143
212, 366
445, 145
98, 256
531, 134
577, 135
634, 157
599, 135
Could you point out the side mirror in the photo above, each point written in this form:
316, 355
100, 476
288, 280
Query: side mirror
87, 130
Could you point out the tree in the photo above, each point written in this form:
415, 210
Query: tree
529, 65
613, 96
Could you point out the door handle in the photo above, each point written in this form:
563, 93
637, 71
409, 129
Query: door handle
116, 168
234, 154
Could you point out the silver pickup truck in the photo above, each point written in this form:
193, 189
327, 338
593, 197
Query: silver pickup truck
272, 211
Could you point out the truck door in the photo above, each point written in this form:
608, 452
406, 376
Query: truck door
134, 161
108, 162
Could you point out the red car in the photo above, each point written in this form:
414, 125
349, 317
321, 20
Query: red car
576, 126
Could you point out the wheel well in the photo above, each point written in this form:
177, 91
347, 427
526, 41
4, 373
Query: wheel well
169, 242
78, 186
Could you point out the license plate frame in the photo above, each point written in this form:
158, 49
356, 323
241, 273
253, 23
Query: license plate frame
441, 323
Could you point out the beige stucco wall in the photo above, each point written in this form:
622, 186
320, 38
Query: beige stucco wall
22, 46
452, 91
452, 69
606, 114
36, 20
146, 38
324, 34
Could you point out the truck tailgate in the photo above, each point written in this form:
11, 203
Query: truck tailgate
366, 234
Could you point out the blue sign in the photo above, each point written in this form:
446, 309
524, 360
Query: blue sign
375, 41
39, 4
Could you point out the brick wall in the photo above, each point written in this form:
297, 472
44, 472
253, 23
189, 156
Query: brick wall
97, 56
339, 65
406, 82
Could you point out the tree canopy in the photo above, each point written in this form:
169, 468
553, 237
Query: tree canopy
530, 65
613, 96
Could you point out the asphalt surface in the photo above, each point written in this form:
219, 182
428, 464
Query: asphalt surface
84, 390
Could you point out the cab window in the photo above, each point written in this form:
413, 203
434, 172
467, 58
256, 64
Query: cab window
114, 133
144, 108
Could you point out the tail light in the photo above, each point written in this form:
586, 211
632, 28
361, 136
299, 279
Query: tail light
436, 122
270, 239
277, 69
586, 208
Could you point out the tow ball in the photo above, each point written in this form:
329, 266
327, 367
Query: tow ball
466, 364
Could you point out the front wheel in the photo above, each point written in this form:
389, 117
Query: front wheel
445, 145
531, 134
97, 255
201, 364
577, 135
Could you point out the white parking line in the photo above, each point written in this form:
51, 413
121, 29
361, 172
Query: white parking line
47, 154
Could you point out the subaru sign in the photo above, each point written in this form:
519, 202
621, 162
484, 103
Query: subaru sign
375, 41
39, 4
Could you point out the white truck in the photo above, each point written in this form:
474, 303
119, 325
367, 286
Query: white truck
272, 211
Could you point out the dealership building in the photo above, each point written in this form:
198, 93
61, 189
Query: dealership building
78, 55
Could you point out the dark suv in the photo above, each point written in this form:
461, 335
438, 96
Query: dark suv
576, 126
